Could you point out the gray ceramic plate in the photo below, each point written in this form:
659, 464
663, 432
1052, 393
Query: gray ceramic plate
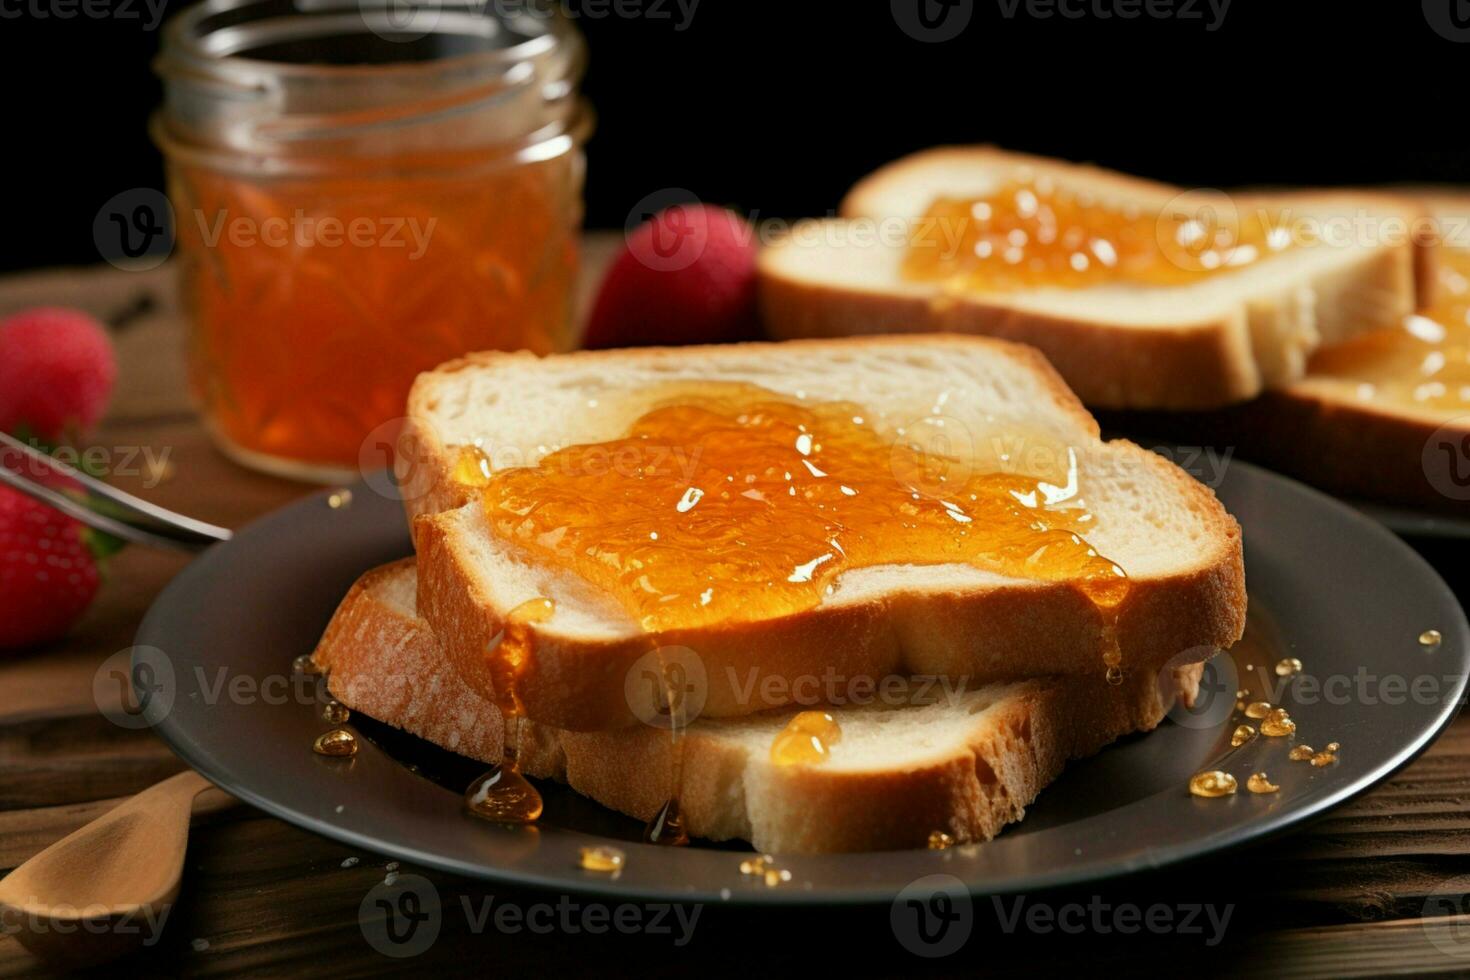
1413, 523
1328, 586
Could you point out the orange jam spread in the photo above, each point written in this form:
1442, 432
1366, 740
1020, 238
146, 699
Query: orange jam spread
807, 739
1031, 233
1423, 361
728, 502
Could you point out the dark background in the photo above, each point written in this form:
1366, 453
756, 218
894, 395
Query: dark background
778, 107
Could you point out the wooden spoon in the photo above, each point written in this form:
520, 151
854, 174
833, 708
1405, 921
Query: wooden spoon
106, 889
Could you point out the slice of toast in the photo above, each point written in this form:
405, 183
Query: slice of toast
1212, 342
963, 762
1180, 549
1329, 430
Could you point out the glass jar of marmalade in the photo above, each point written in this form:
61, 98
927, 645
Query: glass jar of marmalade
359, 196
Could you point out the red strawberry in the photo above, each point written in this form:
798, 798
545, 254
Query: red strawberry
47, 573
56, 371
686, 276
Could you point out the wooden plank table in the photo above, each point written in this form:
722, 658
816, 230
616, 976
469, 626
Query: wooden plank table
1379, 886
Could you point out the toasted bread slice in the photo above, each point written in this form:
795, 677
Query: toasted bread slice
1332, 431
1220, 340
1180, 549
964, 762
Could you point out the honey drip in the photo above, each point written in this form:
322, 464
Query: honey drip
503, 794
1288, 666
1300, 753
1212, 784
338, 743
1241, 735
306, 664
1030, 233
1278, 724
603, 859
667, 825
729, 503
1258, 709
939, 840
1423, 361
1259, 783
335, 713
472, 466
766, 869
806, 740
1430, 638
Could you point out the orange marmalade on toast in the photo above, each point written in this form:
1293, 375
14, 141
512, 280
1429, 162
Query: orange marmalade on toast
726, 502
1030, 233
1423, 362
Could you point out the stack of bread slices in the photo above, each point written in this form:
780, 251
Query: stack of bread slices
991, 682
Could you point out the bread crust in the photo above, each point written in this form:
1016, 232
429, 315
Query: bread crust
1199, 364
1202, 360
970, 789
980, 634
1321, 432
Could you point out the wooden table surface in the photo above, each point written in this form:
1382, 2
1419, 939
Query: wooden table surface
1378, 886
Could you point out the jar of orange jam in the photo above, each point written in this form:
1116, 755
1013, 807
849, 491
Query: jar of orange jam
362, 191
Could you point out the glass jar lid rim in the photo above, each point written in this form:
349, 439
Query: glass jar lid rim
187, 37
